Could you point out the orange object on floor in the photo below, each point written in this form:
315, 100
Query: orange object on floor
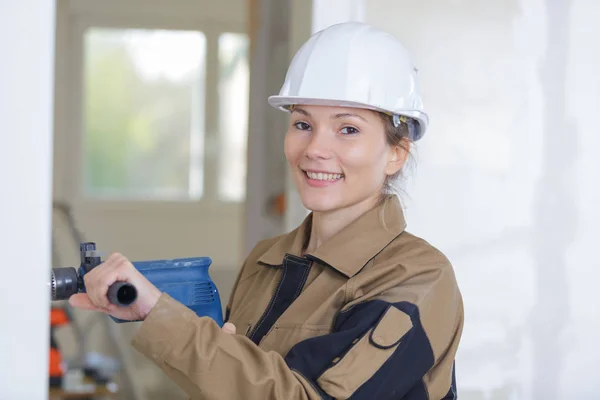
58, 317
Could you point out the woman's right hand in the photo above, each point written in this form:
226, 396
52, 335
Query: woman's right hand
116, 268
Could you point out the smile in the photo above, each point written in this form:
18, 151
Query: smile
321, 179
323, 176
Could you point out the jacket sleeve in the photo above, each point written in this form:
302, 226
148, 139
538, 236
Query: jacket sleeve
377, 349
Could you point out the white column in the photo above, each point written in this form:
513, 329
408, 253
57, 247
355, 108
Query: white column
26, 79
266, 161
301, 27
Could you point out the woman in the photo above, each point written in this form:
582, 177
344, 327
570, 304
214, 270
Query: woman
349, 304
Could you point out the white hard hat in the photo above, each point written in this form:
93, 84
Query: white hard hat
353, 64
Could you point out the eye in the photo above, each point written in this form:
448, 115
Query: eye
349, 130
303, 126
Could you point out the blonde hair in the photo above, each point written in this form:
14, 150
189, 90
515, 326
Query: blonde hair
397, 136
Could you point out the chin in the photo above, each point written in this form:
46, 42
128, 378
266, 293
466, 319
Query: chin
320, 203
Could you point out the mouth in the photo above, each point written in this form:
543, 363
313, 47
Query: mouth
320, 178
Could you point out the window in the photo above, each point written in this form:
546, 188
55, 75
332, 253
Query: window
144, 113
233, 115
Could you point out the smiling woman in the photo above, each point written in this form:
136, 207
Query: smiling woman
349, 304
344, 154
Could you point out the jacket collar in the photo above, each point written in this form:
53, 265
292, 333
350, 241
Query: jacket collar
351, 248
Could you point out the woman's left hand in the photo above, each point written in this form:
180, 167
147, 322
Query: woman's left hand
228, 327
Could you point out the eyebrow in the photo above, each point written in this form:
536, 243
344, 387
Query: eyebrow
336, 116
300, 111
346, 115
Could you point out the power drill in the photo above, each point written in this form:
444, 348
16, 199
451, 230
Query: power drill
184, 279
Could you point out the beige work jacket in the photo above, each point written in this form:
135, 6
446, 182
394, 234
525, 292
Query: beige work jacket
373, 313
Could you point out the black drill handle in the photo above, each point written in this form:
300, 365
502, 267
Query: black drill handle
122, 294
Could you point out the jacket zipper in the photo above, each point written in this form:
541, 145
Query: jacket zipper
248, 329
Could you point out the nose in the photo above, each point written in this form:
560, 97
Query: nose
319, 146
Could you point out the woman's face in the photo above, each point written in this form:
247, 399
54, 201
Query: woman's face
339, 157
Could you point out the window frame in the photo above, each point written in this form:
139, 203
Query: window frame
159, 14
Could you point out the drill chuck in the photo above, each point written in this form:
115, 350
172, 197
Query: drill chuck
64, 283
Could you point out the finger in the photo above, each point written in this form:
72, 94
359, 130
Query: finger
113, 258
97, 287
93, 280
228, 327
121, 271
113, 262
82, 300
112, 308
96, 290
108, 265
115, 268
104, 276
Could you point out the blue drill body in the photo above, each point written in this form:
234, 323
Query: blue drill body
184, 279
187, 281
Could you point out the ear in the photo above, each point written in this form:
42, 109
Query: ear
397, 156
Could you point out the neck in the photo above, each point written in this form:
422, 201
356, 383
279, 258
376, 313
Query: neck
328, 223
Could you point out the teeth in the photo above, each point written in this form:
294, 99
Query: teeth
323, 177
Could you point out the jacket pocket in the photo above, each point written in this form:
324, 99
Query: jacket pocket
367, 355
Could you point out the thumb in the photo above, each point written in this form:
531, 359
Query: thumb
81, 300
228, 327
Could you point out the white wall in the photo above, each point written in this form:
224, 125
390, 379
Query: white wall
25, 201
507, 183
